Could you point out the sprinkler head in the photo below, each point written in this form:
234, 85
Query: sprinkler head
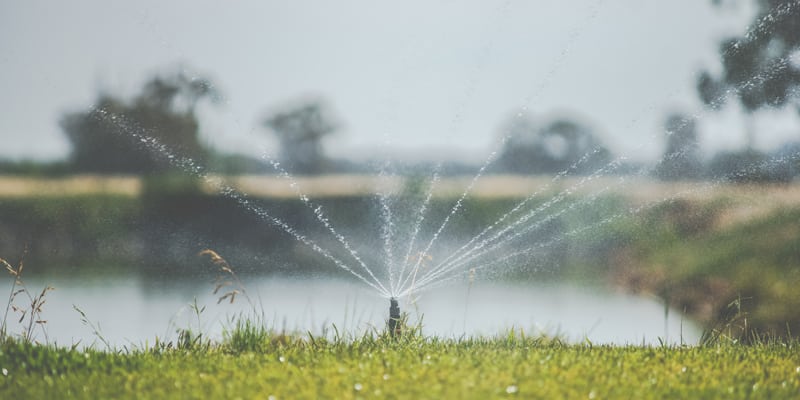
394, 317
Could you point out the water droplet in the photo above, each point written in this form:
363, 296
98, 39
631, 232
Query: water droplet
358, 387
511, 389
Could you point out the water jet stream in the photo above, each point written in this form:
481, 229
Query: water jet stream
443, 278
454, 210
497, 236
387, 229
191, 167
418, 223
433, 275
532, 250
521, 204
322, 218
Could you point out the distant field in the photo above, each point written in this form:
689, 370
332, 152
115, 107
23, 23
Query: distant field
742, 201
490, 186
77, 185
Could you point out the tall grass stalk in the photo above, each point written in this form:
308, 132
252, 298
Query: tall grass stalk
31, 313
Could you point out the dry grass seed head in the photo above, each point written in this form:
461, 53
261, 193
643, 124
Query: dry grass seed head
230, 295
228, 278
221, 283
9, 268
217, 260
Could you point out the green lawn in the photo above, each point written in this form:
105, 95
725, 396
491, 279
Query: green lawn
273, 366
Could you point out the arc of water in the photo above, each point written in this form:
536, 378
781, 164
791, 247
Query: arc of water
387, 228
190, 166
524, 231
543, 245
421, 213
453, 210
487, 247
520, 205
443, 279
519, 253
456, 264
319, 213
247, 204
499, 234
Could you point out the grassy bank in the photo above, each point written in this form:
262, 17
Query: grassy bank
743, 274
280, 367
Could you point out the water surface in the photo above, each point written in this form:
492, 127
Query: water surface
134, 311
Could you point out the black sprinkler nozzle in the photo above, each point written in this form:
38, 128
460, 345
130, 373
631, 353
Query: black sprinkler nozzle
394, 317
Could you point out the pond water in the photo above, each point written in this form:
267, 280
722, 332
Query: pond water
131, 312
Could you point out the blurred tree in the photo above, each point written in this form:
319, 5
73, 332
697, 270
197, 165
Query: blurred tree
681, 158
739, 166
551, 147
300, 131
763, 66
751, 165
103, 138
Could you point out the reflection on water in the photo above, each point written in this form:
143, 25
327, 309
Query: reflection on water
132, 312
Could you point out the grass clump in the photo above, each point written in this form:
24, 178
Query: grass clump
249, 336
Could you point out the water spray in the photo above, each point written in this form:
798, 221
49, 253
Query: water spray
394, 317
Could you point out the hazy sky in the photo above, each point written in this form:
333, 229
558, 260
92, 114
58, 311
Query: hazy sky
411, 76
